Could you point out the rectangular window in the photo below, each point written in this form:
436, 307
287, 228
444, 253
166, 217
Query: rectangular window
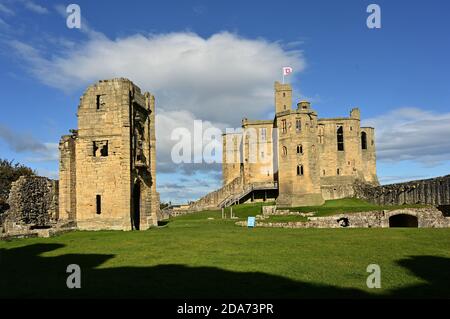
98, 200
263, 134
340, 138
98, 102
298, 125
100, 148
283, 126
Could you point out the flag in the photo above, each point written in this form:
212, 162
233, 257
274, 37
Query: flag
287, 70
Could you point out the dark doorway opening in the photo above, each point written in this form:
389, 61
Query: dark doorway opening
136, 216
403, 220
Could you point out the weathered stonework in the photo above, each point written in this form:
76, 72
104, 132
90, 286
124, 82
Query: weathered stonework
433, 191
108, 165
213, 199
33, 203
411, 217
307, 159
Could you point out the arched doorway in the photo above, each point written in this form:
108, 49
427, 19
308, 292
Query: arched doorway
136, 214
403, 220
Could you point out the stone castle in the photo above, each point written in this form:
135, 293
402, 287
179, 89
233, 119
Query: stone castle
107, 177
296, 158
107, 171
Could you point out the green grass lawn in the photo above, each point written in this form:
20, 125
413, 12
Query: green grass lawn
193, 256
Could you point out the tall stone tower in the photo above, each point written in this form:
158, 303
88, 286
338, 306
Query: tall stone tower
283, 97
298, 156
108, 165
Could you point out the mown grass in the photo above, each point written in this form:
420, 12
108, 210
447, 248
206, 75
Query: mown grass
201, 255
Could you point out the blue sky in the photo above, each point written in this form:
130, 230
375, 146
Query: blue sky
216, 61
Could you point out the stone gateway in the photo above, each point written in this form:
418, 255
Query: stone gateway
107, 174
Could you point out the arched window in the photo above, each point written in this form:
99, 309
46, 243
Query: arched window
299, 149
284, 151
364, 140
299, 170
298, 125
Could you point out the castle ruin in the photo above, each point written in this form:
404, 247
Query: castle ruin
298, 159
107, 169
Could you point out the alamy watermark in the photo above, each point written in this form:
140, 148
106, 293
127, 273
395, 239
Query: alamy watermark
374, 19
374, 279
249, 145
74, 279
73, 20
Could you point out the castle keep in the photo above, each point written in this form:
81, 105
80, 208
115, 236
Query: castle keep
297, 158
107, 175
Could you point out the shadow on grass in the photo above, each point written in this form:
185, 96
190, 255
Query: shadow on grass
25, 273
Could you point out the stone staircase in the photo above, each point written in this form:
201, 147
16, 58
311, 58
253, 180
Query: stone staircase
235, 198
229, 194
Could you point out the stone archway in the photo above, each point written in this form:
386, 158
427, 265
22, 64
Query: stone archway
403, 220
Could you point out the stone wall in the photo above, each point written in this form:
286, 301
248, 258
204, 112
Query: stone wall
212, 200
434, 191
426, 217
33, 202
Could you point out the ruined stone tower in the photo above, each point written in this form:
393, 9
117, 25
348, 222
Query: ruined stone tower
108, 165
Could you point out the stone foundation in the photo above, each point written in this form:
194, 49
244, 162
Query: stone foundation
426, 218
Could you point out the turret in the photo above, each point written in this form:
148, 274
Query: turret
283, 97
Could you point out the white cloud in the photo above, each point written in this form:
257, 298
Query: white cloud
49, 154
5, 10
412, 134
36, 8
219, 78
3, 24
48, 173
25, 143
166, 123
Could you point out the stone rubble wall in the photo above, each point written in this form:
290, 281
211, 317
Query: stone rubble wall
272, 210
33, 201
427, 218
434, 191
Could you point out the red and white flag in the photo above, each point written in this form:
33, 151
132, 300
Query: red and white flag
287, 70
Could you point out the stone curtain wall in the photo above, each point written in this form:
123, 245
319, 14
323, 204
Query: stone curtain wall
212, 200
33, 201
434, 191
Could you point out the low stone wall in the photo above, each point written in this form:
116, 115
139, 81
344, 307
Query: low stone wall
30, 233
426, 217
33, 202
433, 191
273, 211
